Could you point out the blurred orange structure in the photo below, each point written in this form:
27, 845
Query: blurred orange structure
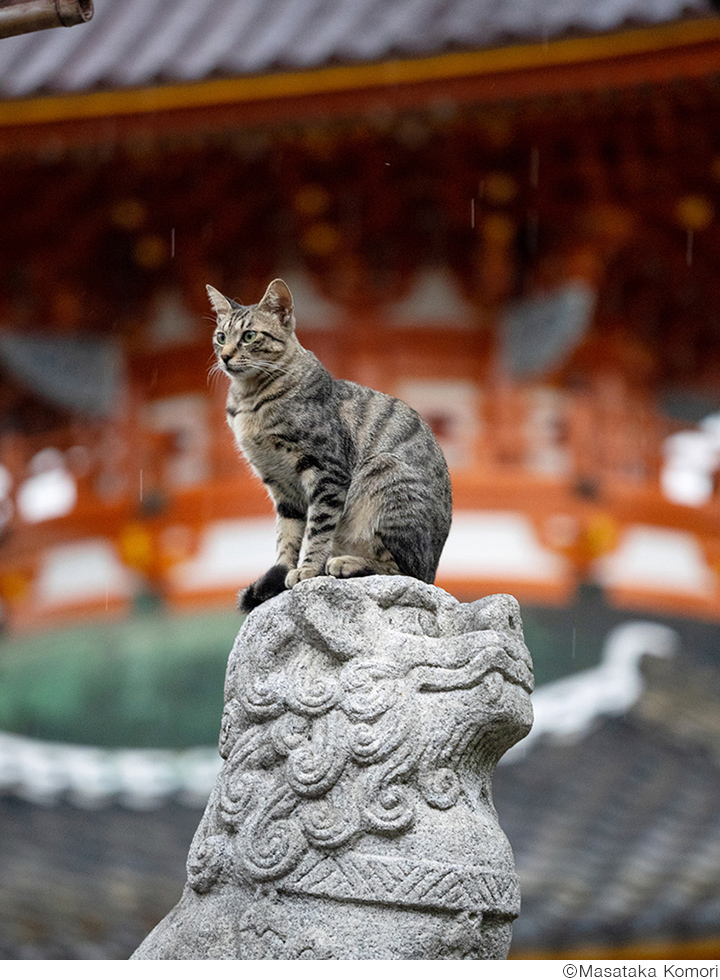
520, 240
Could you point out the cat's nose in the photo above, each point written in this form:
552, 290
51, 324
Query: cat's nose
225, 356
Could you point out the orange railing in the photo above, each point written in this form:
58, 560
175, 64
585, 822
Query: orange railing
588, 460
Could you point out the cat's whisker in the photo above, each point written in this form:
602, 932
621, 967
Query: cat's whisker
269, 370
215, 372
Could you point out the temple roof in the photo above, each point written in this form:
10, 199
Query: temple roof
613, 819
133, 43
616, 839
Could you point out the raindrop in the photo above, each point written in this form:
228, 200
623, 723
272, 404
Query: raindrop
533, 226
534, 166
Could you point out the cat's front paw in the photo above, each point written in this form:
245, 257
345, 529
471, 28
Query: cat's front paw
349, 566
296, 575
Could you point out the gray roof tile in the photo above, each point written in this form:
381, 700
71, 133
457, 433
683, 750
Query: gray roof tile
145, 42
621, 842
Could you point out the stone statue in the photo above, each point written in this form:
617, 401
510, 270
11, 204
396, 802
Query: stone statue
353, 816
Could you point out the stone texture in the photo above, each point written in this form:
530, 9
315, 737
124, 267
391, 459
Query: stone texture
353, 816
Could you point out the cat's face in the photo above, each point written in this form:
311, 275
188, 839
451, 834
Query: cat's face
252, 340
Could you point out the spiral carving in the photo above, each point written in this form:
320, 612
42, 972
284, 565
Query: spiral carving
288, 732
369, 689
237, 794
262, 696
313, 769
310, 691
389, 809
272, 841
440, 789
371, 743
327, 826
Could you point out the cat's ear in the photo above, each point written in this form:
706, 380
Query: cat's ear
221, 304
278, 300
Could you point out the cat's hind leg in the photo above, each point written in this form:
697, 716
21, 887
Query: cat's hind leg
417, 549
357, 548
406, 505
364, 558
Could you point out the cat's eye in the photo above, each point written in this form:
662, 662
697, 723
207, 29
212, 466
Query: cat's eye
248, 336
220, 337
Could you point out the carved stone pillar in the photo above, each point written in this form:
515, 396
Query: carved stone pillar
353, 817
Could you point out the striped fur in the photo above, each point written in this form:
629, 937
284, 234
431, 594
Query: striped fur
359, 483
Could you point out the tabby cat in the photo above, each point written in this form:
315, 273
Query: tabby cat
359, 483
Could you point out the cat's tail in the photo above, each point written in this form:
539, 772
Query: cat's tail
270, 584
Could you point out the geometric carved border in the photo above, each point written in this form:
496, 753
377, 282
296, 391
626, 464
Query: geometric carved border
361, 877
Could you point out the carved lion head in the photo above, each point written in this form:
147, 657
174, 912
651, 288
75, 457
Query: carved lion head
351, 709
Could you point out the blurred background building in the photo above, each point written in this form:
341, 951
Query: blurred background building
508, 214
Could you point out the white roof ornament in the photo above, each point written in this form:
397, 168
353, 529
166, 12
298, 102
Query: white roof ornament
568, 707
